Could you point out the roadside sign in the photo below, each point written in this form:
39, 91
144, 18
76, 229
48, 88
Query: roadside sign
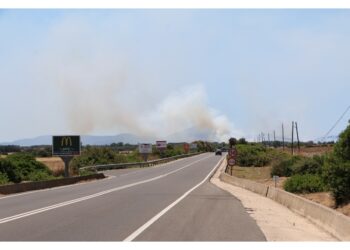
145, 148
231, 161
67, 145
232, 152
186, 147
161, 144
275, 178
193, 146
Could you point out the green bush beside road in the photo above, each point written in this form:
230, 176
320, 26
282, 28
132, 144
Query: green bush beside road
307, 183
20, 167
255, 155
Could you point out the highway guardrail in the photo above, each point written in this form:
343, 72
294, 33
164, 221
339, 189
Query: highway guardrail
136, 164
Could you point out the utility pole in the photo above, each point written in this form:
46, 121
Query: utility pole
296, 128
274, 138
282, 137
268, 138
292, 137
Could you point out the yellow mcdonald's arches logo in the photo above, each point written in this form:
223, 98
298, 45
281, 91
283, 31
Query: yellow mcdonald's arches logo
66, 141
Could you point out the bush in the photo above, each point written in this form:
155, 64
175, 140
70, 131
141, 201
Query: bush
40, 176
342, 147
307, 183
292, 165
24, 165
252, 155
283, 168
99, 155
308, 166
7, 169
3, 179
336, 173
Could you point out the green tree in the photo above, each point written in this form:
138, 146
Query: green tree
342, 147
232, 141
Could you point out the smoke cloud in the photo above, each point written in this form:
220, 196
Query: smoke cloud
104, 87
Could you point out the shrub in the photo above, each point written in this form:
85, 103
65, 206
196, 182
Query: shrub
7, 169
252, 155
3, 179
98, 155
40, 176
342, 147
24, 165
308, 166
336, 173
307, 183
285, 166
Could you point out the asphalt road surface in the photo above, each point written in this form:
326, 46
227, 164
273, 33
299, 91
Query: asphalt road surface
173, 202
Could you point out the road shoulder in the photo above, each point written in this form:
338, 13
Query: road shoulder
277, 222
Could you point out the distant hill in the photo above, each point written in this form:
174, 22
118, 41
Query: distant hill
86, 140
187, 135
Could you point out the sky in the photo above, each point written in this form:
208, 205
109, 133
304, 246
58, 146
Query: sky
227, 72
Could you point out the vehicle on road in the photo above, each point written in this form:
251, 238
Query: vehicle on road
218, 152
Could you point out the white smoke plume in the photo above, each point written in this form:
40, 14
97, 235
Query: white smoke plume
104, 88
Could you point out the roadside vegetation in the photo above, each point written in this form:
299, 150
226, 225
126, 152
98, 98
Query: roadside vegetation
328, 172
19, 167
19, 164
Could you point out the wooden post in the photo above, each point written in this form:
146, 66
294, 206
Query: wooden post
282, 137
292, 138
296, 128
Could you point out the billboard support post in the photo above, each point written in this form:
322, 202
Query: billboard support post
66, 160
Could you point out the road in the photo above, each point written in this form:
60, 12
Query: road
173, 202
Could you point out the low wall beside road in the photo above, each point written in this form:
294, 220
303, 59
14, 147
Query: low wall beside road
328, 219
35, 185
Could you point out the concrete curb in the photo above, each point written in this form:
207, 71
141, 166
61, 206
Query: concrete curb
35, 185
329, 220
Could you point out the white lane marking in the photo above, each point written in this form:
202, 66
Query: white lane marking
76, 184
161, 213
62, 204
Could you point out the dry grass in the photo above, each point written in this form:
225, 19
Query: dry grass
55, 164
252, 173
309, 151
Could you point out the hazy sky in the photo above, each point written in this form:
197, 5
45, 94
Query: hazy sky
234, 72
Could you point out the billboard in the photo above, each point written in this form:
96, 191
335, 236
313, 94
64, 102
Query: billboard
145, 148
161, 144
193, 146
66, 145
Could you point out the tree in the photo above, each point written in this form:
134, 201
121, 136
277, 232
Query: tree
336, 170
342, 147
242, 141
232, 141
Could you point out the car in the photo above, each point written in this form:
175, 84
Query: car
218, 152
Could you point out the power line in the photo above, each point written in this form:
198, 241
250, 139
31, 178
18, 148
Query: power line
341, 117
